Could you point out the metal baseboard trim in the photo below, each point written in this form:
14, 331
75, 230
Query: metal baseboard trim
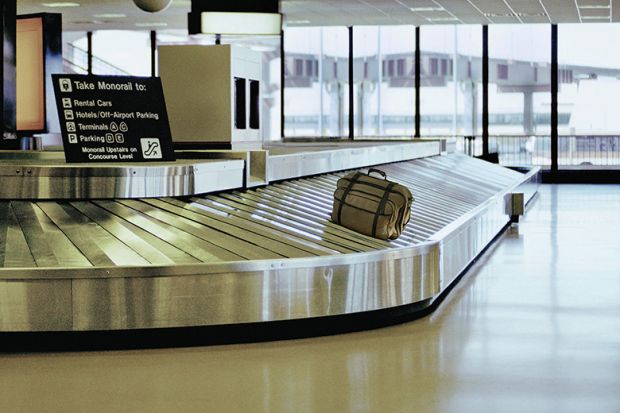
61, 341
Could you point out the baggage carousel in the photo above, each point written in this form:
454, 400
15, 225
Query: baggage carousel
245, 257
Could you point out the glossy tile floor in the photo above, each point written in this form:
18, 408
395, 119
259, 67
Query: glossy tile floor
533, 327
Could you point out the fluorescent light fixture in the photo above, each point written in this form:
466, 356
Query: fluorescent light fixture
519, 14
110, 16
61, 4
152, 24
442, 19
241, 23
423, 9
594, 6
297, 21
595, 17
82, 22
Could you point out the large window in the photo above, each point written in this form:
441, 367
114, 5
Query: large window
133, 58
384, 80
451, 76
588, 90
589, 79
316, 97
520, 79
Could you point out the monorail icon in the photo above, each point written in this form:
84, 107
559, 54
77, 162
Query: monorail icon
65, 85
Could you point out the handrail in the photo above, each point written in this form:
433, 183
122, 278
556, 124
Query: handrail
99, 65
74, 66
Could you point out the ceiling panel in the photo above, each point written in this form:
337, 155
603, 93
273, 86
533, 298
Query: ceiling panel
492, 6
505, 20
345, 12
594, 13
535, 19
85, 17
561, 11
592, 2
465, 10
526, 6
419, 3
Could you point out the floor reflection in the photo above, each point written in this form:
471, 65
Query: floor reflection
533, 327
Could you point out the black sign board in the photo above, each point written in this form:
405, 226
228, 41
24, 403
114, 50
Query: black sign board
113, 119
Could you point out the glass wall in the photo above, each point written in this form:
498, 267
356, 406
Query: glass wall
133, 58
451, 80
589, 79
384, 80
366, 80
519, 79
316, 96
588, 90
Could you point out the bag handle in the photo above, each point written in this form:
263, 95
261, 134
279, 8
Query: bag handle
371, 170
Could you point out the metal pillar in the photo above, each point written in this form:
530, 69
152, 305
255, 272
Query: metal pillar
554, 98
485, 91
418, 75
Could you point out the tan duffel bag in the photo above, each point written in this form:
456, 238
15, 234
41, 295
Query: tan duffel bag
372, 206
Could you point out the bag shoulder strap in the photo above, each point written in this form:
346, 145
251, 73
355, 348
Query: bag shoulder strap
354, 179
381, 208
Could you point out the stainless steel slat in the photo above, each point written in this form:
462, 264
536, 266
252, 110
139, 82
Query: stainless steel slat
273, 221
147, 245
48, 245
4, 224
298, 220
279, 204
188, 243
244, 220
13, 245
233, 226
191, 224
308, 192
298, 198
94, 242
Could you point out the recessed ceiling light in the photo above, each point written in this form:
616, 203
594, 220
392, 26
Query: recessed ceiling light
82, 22
421, 9
110, 16
520, 14
442, 19
61, 4
594, 6
153, 24
595, 17
297, 21
240, 23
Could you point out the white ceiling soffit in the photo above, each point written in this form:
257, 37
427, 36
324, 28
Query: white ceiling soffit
107, 14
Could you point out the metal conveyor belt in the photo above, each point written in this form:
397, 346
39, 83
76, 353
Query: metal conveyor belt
288, 219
